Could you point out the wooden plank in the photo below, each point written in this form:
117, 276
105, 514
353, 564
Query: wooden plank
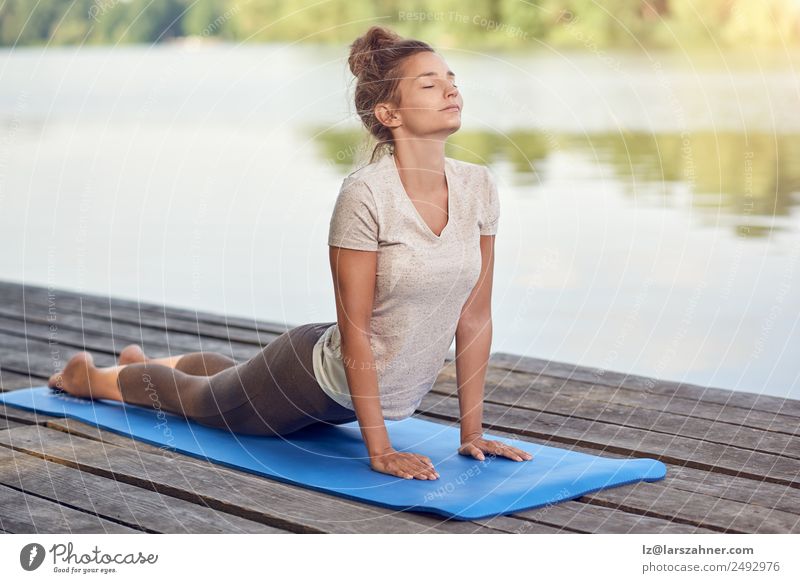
38, 358
663, 387
511, 386
92, 432
145, 315
745, 490
138, 508
10, 380
713, 423
35, 360
25, 513
91, 333
574, 516
664, 501
627, 441
23, 416
14, 291
8, 423
520, 526
253, 497
174, 327
696, 508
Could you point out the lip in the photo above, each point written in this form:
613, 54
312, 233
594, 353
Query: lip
451, 108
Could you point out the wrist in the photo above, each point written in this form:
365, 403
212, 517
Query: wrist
469, 436
378, 451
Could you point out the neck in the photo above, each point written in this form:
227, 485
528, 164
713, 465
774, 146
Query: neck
421, 165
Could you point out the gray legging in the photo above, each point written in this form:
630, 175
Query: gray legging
273, 393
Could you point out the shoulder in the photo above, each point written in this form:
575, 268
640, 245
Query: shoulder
366, 175
356, 190
473, 174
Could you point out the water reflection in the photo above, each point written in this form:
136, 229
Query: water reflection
737, 181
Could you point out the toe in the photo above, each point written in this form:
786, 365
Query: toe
131, 353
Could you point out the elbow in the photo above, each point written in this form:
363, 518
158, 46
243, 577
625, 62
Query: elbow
355, 335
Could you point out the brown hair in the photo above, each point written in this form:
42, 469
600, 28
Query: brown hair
376, 60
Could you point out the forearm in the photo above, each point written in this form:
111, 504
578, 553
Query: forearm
473, 343
362, 379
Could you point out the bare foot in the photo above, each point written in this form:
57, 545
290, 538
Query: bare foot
132, 353
75, 378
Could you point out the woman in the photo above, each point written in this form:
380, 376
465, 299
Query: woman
411, 246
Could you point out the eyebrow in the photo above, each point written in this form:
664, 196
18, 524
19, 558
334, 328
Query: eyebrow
431, 73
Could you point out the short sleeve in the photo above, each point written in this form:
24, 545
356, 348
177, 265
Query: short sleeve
491, 210
354, 222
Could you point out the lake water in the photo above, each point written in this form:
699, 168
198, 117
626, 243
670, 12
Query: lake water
649, 218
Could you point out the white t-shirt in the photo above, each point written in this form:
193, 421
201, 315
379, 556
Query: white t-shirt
422, 280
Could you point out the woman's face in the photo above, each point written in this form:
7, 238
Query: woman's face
427, 89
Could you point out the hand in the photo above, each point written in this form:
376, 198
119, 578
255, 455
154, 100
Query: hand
477, 446
403, 465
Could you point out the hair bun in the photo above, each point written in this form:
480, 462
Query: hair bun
365, 49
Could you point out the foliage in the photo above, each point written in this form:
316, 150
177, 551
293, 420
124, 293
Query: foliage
481, 24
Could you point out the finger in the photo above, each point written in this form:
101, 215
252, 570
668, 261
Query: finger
500, 448
406, 469
425, 460
477, 453
425, 474
430, 471
425, 477
401, 473
433, 473
422, 469
507, 451
513, 453
472, 451
407, 473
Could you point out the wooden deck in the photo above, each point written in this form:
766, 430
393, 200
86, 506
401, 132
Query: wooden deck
733, 458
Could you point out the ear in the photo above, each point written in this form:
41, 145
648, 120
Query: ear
387, 115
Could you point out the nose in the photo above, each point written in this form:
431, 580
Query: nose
452, 90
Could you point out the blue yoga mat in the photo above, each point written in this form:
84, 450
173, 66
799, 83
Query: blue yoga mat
333, 459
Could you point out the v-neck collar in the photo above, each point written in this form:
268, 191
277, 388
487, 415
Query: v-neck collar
399, 183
